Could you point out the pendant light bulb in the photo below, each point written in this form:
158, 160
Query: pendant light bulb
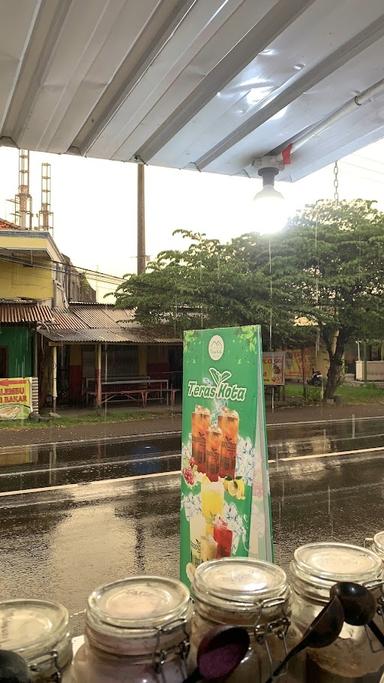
270, 205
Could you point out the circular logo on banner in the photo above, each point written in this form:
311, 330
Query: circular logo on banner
216, 347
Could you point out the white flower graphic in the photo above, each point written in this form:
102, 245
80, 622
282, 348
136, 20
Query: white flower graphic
235, 523
191, 504
245, 460
186, 452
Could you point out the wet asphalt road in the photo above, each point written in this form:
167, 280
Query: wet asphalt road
61, 543
56, 464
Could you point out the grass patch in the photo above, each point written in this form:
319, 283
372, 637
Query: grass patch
348, 393
364, 393
294, 394
85, 418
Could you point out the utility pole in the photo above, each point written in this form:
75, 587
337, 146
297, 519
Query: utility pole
140, 219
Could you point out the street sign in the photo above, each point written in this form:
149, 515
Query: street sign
274, 368
225, 501
15, 398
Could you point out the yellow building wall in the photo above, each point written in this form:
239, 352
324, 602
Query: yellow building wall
30, 283
39, 242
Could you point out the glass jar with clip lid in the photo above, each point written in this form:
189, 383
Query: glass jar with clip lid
136, 630
38, 630
249, 593
356, 655
376, 544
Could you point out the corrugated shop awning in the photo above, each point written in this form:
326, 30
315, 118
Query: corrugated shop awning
108, 336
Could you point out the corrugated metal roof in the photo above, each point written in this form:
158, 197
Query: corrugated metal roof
16, 313
94, 316
108, 336
121, 315
84, 324
65, 320
208, 84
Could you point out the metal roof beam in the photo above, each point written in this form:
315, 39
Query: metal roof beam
164, 21
42, 42
281, 16
287, 94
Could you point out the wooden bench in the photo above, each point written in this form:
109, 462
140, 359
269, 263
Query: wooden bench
139, 389
129, 394
170, 395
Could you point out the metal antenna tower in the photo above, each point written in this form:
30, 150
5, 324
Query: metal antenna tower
23, 199
45, 214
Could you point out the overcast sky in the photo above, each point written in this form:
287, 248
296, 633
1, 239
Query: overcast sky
94, 202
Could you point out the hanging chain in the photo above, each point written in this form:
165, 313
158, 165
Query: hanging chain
270, 296
336, 182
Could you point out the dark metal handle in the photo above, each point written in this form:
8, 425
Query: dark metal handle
377, 632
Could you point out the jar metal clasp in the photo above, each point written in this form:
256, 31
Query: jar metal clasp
182, 649
372, 586
48, 662
278, 627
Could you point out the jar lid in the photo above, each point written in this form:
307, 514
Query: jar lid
327, 563
237, 580
378, 541
137, 604
32, 627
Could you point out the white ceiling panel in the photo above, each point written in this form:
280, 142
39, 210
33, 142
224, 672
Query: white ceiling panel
344, 135
206, 84
316, 103
272, 72
230, 26
16, 20
176, 56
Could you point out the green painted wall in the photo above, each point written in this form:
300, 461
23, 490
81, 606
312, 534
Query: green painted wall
18, 342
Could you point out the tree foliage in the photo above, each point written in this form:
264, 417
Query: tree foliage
327, 267
333, 254
211, 284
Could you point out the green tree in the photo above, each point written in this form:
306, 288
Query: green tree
211, 284
328, 267
332, 261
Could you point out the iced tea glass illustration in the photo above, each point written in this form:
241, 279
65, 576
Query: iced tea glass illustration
208, 548
201, 421
229, 425
214, 442
212, 502
196, 532
223, 537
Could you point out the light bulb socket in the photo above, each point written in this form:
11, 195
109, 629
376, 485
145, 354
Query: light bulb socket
268, 174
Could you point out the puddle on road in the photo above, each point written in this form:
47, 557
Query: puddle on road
63, 549
39, 466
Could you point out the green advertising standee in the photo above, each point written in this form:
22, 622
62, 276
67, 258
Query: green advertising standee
225, 499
